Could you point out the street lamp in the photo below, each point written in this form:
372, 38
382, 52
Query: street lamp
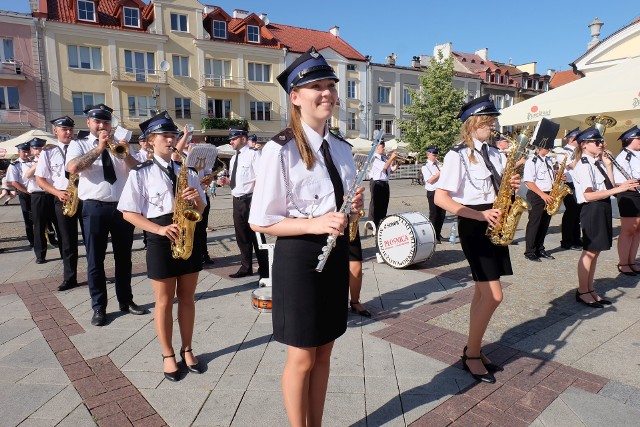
155, 94
366, 109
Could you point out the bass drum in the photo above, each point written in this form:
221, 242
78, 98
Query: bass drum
405, 239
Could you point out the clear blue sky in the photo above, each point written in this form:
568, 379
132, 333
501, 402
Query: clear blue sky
552, 33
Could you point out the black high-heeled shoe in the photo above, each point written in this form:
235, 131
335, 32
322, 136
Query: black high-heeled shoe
602, 300
172, 376
594, 304
196, 369
626, 273
489, 366
487, 378
364, 312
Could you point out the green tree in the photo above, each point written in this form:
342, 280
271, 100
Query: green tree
434, 107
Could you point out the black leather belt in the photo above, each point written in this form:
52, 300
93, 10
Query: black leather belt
100, 202
382, 181
244, 196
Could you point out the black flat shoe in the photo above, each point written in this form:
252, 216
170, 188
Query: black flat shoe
594, 304
364, 312
545, 254
99, 318
172, 376
487, 378
490, 366
626, 273
196, 369
240, 274
133, 308
602, 300
67, 285
533, 258
43, 261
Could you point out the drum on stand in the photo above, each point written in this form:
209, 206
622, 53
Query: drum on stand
406, 238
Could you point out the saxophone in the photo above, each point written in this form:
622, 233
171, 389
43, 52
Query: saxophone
559, 190
70, 206
184, 215
503, 232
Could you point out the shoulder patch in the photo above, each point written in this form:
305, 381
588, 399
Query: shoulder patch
535, 159
629, 155
584, 160
458, 147
144, 164
83, 134
284, 136
339, 137
15, 162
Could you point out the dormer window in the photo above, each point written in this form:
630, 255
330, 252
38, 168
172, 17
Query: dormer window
253, 34
86, 10
473, 61
131, 17
219, 29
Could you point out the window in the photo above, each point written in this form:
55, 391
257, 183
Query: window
406, 96
219, 29
180, 66
260, 110
140, 106
141, 63
219, 108
83, 100
179, 22
388, 126
351, 88
6, 49
487, 77
351, 67
259, 72
183, 108
377, 124
384, 94
9, 98
498, 101
131, 17
217, 71
253, 34
351, 120
86, 10
89, 58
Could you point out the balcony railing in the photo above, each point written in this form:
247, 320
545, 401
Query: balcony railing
11, 67
14, 117
227, 82
125, 74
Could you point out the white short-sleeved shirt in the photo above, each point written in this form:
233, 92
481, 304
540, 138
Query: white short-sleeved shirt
568, 151
429, 170
30, 183
310, 191
469, 183
629, 160
142, 155
587, 176
149, 190
377, 171
539, 171
92, 185
14, 171
246, 173
51, 166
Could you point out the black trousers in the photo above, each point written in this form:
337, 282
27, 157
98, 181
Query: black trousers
537, 226
25, 207
436, 214
101, 219
571, 220
43, 213
246, 238
68, 241
379, 201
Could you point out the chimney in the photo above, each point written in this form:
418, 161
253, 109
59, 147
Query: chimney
595, 27
335, 30
445, 48
483, 53
551, 72
415, 62
240, 14
391, 59
263, 17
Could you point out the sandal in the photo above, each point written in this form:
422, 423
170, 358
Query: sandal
626, 273
364, 312
171, 376
595, 304
601, 300
487, 378
196, 369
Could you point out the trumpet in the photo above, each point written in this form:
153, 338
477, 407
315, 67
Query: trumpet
404, 160
119, 151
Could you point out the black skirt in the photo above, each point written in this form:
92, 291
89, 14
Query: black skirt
487, 261
629, 204
355, 248
597, 231
309, 308
160, 262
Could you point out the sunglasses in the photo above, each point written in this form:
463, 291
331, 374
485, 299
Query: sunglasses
598, 142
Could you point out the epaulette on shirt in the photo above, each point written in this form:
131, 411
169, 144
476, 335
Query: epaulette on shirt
284, 136
458, 147
82, 134
15, 162
336, 133
629, 155
535, 159
144, 164
584, 160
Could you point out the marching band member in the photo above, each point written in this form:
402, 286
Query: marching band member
15, 179
431, 174
571, 217
381, 169
629, 203
145, 153
538, 177
593, 180
355, 276
304, 173
148, 202
102, 178
468, 185
51, 176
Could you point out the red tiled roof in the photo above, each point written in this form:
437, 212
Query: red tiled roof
299, 40
236, 29
109, 13
474, 63
562, 78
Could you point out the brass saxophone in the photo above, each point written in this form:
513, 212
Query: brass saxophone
70, 206
184, 215
559, 190
503, 232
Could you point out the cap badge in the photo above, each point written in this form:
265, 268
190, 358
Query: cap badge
314, 53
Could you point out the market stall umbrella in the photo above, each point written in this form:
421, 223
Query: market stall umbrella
360, 145
613, 92
8, 148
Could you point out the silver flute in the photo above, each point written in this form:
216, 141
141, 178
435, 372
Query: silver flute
346, 206
620, 168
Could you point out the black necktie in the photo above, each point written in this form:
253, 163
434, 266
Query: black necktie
496, 179
107, 168
66, 173
607, 181
338, 189
544, 159
232, 184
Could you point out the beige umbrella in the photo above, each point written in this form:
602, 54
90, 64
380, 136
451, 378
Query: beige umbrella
360, 145
8, 148
614, 92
